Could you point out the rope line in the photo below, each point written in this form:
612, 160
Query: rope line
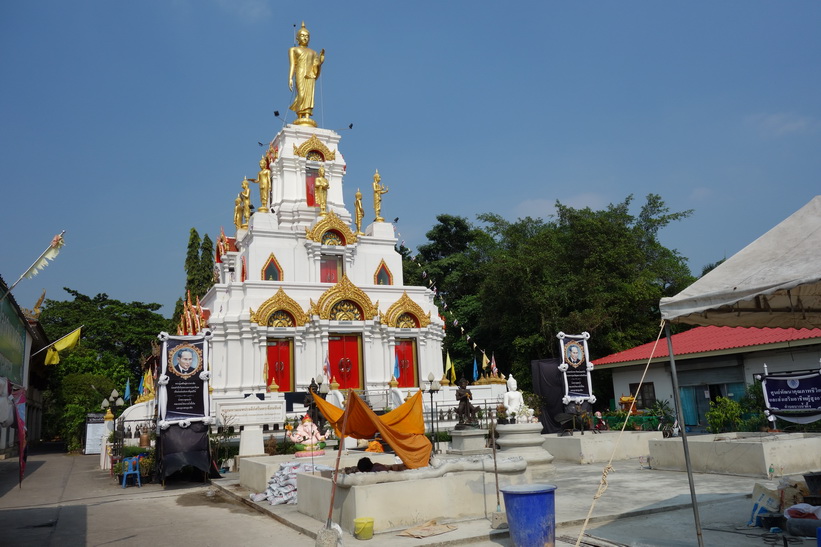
609, 467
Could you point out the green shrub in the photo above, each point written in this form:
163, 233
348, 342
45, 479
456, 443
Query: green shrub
724, 415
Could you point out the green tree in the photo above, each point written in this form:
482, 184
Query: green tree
193, 276
452, 264
115, 338
199, 273
514, 285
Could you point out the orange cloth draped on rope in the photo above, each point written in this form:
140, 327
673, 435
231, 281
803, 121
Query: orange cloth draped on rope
403, 428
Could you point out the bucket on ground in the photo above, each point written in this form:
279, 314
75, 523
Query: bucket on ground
363, 528
531, 513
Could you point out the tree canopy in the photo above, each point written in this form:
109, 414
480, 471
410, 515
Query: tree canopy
512, 286
116, 337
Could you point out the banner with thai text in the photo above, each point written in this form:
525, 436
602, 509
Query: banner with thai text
183, 394
793, 397
575, 368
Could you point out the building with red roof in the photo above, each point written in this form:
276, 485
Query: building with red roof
711, 362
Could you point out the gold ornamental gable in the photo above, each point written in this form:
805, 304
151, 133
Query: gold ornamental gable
280, 301
344, 290
314, 145
405, 305
330, 222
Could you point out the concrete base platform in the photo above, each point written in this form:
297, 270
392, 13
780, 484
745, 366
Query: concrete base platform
597, 448
397, 505
747, 454
254, 473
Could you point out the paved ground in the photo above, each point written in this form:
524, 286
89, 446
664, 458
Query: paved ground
68, 500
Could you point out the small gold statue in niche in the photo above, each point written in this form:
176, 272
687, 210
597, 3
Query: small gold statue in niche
304, 67
321, 192
378, 190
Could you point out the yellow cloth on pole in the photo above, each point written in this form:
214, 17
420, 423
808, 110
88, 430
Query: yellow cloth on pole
403, 428
66, 342
485, 361
450, 370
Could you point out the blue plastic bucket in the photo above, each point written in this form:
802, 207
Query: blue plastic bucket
531, 514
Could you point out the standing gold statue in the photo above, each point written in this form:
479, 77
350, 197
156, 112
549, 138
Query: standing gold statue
264, 180
246, 202
378, 190
304, 67
360, 212
321, 192
238, 211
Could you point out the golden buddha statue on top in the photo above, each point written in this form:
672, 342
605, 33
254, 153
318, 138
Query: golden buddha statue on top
304, 66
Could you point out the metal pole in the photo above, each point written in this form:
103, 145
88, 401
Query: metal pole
680, 417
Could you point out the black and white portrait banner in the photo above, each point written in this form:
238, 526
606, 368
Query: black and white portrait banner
184, 379
794, 397
575, 368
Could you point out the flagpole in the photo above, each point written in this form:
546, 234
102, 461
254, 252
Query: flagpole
48, 346
39, 258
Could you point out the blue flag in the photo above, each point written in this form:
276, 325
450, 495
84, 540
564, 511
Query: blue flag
475, 370
127, 395
396, 367
142, 385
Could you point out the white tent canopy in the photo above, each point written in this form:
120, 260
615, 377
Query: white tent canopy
775, 281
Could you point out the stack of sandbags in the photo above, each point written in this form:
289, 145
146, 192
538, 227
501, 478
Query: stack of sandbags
282, 485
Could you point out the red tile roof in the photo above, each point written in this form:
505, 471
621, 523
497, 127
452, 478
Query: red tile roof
707, 339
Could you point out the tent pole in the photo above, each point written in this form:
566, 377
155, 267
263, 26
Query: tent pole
680, 417
338, 456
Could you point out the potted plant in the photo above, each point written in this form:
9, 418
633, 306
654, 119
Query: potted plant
501, 415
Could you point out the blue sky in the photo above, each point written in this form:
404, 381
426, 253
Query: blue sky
128, 123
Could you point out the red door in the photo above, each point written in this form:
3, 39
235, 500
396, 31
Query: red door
346, 360
310, 179
406, 361
279, 364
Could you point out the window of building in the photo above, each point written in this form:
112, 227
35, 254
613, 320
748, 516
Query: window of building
646, 397
310, 178
272, 270
383, 275
330, 268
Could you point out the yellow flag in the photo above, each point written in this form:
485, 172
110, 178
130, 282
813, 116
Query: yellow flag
449, 370
485, 361
66, 342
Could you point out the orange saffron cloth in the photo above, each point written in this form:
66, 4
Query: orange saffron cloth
403, 428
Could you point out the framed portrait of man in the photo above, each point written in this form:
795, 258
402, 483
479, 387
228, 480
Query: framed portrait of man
574, 353
185, 360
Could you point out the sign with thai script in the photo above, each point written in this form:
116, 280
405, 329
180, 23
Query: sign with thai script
575, 368
796, 396
252, 412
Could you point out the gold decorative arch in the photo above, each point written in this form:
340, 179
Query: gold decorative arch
314, 144
344, 290
280, 301
405, 305
387, 270
330, 222
273, 259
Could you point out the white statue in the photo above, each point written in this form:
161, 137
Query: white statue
513, 401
